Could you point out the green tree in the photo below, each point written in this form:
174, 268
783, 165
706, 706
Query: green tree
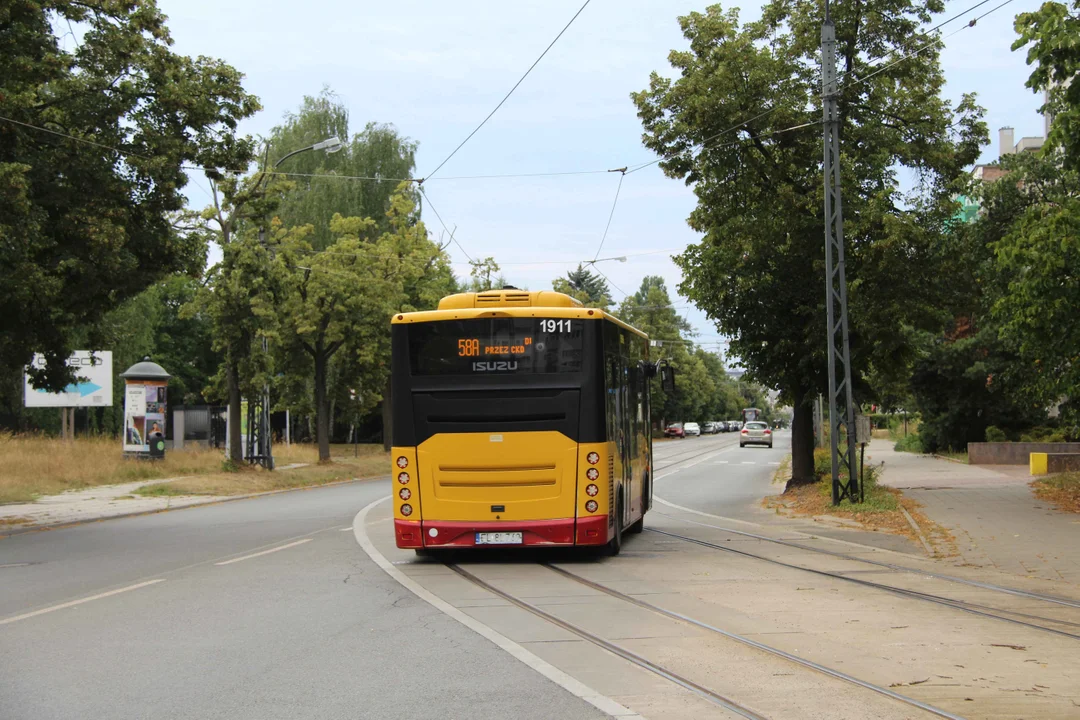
485, 275
1050, 35
758, 273
92, 155
584, 285
319, 190
340, 299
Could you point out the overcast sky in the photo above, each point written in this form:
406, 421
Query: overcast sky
435, 69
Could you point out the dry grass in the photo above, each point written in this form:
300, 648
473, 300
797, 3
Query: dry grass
32, 466
371, 462
1062, 490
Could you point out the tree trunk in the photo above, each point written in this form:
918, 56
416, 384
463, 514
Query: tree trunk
322, 408
236, 450
387, 418
802, 444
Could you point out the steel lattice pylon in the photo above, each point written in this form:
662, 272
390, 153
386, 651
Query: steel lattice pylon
845, 481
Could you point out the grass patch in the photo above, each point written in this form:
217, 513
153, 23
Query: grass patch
909, 443
1062, 490
961, 457
35, 465
880, 510
371, 461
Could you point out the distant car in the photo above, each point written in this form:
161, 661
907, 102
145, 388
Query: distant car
691, 428
710, 428
674, 430
755, 433
734, 425
723, 425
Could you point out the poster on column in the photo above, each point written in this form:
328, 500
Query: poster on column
144, 414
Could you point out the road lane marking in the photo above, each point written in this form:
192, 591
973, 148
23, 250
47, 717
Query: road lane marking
73, 603
721, 462
567, 682
749, 462
264, 552
774, 463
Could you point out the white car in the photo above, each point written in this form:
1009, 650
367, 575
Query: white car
691, 429
755, 433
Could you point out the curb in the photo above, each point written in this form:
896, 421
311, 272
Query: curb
918, 531
102, 518
949, 459
567, 682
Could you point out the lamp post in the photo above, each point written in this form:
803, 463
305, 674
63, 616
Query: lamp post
259, 450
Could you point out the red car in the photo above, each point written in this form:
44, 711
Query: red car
675, 430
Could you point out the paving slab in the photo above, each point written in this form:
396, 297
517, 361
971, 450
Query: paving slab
991, 511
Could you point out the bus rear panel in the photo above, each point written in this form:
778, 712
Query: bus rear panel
504, 424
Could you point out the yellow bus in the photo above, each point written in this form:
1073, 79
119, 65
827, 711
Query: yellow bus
519, 419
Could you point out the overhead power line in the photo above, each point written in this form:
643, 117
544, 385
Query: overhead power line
622, 176
452, 235
507, 96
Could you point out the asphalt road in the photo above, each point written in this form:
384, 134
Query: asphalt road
716, 476
175, 615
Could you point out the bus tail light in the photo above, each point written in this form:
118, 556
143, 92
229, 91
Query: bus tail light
403, 478
592, 473
406, 509
592, 491
403, 462
591, 506
405, 493
593, 458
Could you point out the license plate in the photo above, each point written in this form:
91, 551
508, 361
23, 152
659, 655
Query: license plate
498, 538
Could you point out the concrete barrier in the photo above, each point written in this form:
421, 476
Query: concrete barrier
1014, 453
1051, 463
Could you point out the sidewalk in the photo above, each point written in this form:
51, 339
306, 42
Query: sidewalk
995, 517
98, 503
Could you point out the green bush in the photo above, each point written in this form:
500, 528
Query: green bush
911, 443
822, 463
995, 434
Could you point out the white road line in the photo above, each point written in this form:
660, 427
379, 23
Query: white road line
721, 462
73, 603
749, 462
774, 463
599, 701
349, 529
264, 552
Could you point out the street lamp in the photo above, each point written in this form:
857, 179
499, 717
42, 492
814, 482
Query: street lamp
259, 449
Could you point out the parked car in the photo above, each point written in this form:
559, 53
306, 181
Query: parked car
674, 430
755, 433
691, 428
734, 425
723, 425
710, 428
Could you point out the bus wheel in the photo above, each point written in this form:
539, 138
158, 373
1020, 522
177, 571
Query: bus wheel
615, 544
637, 527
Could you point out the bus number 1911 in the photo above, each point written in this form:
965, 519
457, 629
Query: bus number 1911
555, 326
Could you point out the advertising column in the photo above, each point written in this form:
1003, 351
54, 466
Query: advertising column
145, 391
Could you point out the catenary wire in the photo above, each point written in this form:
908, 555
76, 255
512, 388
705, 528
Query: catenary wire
507, 96
452, 235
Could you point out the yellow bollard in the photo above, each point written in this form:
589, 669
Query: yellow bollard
1037, 463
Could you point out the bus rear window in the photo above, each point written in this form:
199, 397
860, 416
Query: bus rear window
511, 346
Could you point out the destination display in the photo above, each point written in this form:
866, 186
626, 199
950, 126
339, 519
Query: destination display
496, 345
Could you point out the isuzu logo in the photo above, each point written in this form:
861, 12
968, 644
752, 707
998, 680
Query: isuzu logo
494, 365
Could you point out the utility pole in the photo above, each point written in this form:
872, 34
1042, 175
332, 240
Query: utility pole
845, 482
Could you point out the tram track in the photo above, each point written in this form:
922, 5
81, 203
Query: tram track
978, 609
1068, 602
711, 695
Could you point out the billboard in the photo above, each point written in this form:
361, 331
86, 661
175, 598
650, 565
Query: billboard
93, 386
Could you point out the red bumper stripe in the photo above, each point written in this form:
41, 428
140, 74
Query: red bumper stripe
565, 532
